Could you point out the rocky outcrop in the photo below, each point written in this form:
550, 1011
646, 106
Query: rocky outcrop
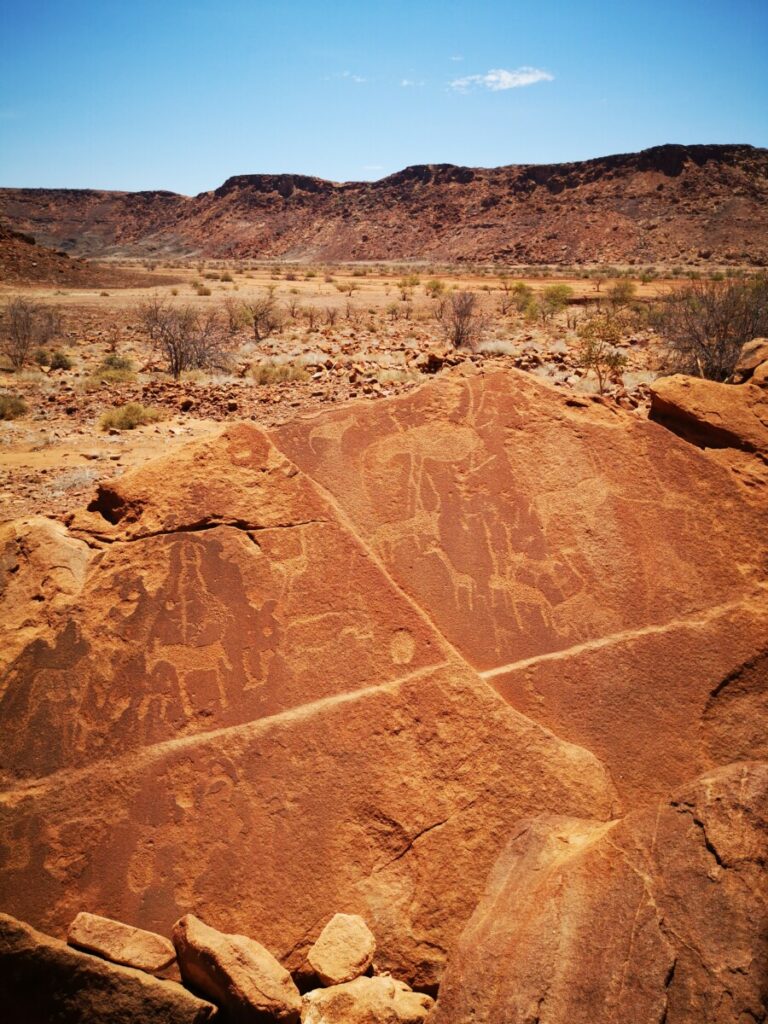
121, 943
236, 972
240, 669
376, 1000
343, 950
713, 415
659, 917
603, 575
670, 204
44, 980
335, 666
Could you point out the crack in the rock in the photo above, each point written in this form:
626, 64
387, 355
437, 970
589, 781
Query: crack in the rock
708, 844
203, 525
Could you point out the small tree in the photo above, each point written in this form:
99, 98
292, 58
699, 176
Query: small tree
705, 323
553, 299
600, 332
522, 294
263, 316
25, 326
621, 293
186, 339
462, 320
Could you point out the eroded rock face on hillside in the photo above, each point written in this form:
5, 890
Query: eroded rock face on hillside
331, 669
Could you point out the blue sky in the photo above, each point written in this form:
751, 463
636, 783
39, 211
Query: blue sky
181, 95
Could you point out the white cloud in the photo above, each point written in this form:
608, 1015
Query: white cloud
346, 75
497, 79
407, 83
457, 57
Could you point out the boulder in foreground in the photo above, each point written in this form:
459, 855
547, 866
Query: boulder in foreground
712, 415
379, 1000
235, 971
343, 950
662, 916
121, 943
43, 980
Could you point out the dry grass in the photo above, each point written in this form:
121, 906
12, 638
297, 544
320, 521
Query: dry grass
11, 407
129, 416
274, 372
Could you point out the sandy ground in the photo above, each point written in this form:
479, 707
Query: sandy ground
52, 457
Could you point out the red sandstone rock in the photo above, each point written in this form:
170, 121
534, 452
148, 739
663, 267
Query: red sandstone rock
659, 917
604, 575
121, 943
43, 980
343, 951
42, 569
752, 356
268, 684
713, 415
236, 972
366, 1001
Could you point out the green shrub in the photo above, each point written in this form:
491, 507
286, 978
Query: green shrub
60, 361
129, 416
115, 362
114, 369
11, 407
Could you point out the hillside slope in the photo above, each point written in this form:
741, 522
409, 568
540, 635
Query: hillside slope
668, 204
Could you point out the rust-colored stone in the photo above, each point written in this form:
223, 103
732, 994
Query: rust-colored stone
44, 980
121, 943
659, 917
713, 415
343, 950
237, 972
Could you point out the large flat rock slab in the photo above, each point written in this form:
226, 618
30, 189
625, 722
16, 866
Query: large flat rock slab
390, 803
605, 575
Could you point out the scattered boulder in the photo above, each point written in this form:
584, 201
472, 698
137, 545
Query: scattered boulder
343, 951
43, 980
121, 943
238, 973
712, 415
379, 1000
662, 916
753, 355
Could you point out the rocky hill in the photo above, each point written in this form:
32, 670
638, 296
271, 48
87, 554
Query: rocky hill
670, 204
483, 663
23, 261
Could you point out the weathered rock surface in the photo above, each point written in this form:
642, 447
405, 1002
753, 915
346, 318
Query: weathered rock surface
334, 666
752, 356
604, 575
42, 569
343, 951
121, 943
713, 415
376, 1000
660, 917
237, 972
42, 980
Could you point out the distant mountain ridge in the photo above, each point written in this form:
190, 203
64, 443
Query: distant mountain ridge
668, 204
